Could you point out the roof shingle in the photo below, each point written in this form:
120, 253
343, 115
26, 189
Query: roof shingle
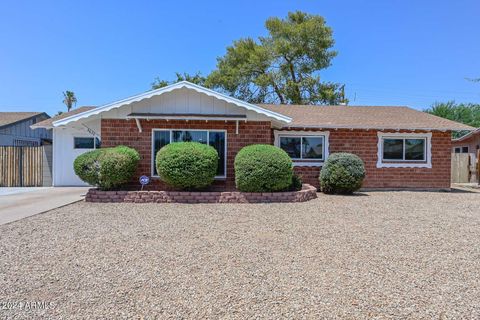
7, 118
363, 117
48, 122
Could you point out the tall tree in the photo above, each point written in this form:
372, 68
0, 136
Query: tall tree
282, 67
196, 78
468, 113
69, 99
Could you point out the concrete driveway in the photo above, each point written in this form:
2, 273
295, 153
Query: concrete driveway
18, 203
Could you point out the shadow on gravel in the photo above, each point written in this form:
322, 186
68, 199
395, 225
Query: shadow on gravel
355, 194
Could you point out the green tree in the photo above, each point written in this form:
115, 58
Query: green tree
196, 78
282, 67
467, 113
69, 99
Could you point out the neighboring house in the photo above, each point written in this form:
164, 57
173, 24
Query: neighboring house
15, 129
401, 147
468, 143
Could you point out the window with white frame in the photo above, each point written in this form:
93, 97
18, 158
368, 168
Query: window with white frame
303, 146
86, 143
404, 150
214, 138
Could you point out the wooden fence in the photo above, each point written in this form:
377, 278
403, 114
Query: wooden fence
466, 167
460, 167
21, 166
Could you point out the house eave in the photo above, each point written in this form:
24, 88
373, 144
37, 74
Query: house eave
170, 116
176, 86
467, 136
335, 127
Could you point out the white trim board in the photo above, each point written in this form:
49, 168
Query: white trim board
404, 164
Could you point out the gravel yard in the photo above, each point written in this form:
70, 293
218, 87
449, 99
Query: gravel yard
375, 255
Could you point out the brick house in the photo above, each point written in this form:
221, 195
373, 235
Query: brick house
401, 147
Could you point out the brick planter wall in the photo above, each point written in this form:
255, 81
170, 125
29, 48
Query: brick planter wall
307, 193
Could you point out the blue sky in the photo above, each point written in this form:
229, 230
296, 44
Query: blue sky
390, 52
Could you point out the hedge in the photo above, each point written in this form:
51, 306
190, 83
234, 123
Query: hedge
343, 173
263, 168
187, 165
107, 168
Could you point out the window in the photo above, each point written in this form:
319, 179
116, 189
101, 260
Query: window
461, 149
302, 146
404, 150
86, 143
214, 138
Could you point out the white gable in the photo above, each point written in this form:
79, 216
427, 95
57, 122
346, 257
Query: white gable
180, 98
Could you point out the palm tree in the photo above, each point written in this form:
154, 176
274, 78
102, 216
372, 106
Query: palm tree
69, 99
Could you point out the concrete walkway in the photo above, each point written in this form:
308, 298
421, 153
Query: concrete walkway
18, 203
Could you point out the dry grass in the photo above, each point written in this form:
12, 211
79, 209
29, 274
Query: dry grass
378, 255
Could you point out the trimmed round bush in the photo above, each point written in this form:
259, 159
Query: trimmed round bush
263, 168
87, 167
107, 168
187, 165
343, 173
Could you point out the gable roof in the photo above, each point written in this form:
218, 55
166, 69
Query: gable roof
296, 116
48, 123
467, 136
10, 118
169, 88
363, 117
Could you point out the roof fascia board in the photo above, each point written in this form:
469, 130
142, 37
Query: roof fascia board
371, 128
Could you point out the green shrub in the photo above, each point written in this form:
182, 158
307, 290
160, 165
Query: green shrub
107, 168
263, 168
87, 165
343, 173
296, 183
187, 165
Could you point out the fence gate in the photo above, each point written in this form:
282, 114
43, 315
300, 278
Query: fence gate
21, 166
460, 167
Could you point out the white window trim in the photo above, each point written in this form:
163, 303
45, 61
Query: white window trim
152, 164
307, 162
427, 163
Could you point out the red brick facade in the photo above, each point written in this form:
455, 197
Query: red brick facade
360, 142
364, 144
125, 132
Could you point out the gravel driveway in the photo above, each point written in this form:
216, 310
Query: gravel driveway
377, 255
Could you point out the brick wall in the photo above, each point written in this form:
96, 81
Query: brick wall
360, 142
364, 144
307, 193
125, 132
